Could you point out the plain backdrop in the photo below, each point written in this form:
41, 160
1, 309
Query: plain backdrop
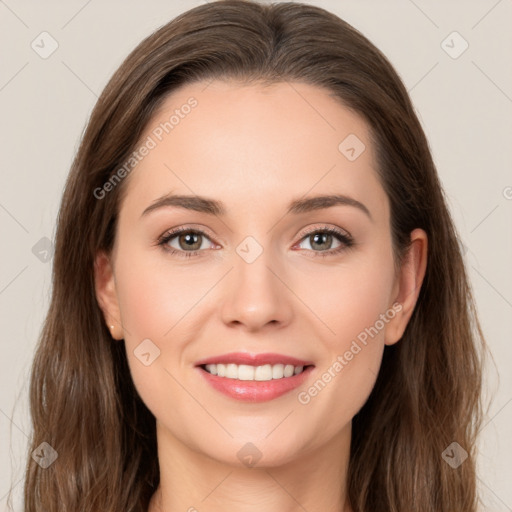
463, 97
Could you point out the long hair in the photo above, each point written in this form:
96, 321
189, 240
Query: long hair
428, 393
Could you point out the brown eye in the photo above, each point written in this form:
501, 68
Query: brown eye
321, 241
185, 242
189, 241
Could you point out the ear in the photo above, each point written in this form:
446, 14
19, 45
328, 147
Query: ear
106, 294
408, 285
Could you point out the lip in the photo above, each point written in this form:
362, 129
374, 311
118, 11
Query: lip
254, 391
254, 359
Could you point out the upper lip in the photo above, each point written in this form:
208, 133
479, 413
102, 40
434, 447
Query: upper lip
253, 359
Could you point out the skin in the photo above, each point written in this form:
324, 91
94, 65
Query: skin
256, 149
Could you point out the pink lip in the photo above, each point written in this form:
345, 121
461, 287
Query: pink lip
255, 391
253, 359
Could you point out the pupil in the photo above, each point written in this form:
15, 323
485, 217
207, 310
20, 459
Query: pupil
323, 237
189, 239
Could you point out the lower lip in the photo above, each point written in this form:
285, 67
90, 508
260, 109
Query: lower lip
254, 390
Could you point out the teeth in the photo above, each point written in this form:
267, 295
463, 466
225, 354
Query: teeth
231, 371
277, 371
242, 372
262, 372
248, 372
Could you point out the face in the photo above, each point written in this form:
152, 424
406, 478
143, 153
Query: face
284, 264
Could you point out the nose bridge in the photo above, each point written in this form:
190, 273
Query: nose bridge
256, 295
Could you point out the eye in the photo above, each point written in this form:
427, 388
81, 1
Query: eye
184, 242
322, 238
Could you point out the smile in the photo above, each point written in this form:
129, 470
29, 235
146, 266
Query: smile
254, 378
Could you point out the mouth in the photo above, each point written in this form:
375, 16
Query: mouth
254, 378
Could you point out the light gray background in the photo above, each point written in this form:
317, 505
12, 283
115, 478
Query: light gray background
464, 103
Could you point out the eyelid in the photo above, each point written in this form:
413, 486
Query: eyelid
325, 227
202, 230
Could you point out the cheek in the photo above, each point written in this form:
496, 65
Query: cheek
352, 297
154, 295
355, 305
159, 301
364, 299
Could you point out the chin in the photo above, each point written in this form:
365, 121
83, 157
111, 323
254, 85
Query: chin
259, 452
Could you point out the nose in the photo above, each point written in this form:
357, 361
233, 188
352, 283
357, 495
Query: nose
256, 296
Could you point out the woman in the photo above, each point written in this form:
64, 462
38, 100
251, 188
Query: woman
259, 370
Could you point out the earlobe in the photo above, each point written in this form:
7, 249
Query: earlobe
106, 294
408, 286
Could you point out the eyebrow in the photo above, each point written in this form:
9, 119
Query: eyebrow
214, 207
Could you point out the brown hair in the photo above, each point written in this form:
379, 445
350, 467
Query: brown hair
82, 399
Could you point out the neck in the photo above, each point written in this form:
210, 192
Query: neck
193, 482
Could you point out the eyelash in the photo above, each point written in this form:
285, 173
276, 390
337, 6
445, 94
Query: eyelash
346, 241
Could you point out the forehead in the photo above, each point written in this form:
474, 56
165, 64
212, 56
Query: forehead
242, 143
